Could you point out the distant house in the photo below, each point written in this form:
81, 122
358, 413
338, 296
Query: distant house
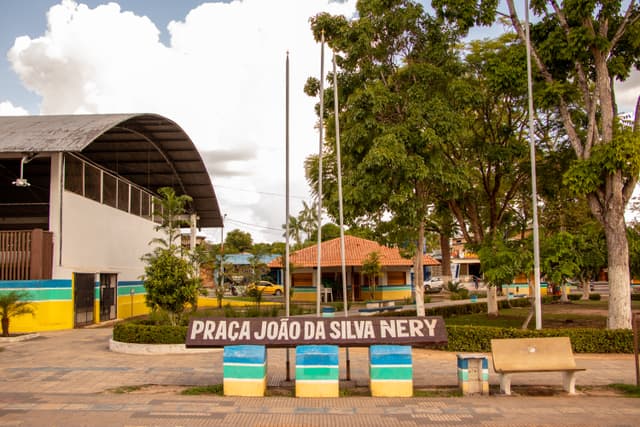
76, 210
395, 282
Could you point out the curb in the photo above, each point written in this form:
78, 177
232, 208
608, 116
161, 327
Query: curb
19, 338
159, 349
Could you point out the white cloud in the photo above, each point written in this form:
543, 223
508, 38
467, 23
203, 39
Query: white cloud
8, 109
627, 92
222, 78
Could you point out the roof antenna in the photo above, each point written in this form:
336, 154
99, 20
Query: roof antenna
22, 182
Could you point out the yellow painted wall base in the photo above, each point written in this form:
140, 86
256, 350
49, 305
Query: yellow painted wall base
391, 388
465, 387
248, 388
317, 389
49, 316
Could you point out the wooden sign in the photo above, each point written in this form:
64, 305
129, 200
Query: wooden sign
290, 332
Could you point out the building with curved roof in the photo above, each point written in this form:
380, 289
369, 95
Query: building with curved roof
77, 209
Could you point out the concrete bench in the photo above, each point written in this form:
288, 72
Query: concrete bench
520, 355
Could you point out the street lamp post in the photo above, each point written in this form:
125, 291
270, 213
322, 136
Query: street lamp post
222, 253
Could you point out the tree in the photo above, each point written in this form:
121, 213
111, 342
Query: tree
295, 230
14, 304
502, 260
372, 269
237, 242
580, 49
171, 279
396, 68
559, 260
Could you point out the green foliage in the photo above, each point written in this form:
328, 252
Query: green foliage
13, 304
503, 260
237, 241
559, 258
372, 268
583, 340
594, 297
635, 296
216, 389
171, 280
130, 332
622, 154
627, 389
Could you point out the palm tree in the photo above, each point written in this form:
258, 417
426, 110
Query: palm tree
308, 218
295, 228
13, 304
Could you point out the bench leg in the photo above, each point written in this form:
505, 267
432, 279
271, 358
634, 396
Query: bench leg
505, 384
569, 382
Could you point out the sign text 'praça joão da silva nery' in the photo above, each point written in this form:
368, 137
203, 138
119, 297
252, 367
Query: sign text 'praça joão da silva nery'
289, 332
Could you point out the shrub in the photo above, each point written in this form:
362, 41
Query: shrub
583, 340
574, 297
635, 296
137, 333
594, 297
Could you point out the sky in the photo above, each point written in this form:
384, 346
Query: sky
215, 68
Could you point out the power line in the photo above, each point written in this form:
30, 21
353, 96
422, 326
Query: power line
258, 192
263, 227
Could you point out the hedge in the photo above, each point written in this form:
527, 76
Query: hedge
149, 334
583, 340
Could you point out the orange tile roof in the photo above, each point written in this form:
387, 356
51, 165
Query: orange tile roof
356, 251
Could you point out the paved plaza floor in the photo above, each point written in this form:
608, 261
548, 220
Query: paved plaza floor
70, 378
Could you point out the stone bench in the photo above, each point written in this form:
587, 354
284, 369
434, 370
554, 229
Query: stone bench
525, 355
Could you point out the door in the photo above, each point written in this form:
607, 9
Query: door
83, 297
108, 286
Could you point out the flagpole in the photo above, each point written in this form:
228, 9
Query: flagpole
321, 128
343, 263
534, 196
287, 278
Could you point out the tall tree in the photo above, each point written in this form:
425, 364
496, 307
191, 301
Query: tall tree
580, 48
397, 65
237, 242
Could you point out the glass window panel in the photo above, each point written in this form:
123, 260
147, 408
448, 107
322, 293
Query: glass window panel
109, 190
146, 209
73, 174
135, 201
92, 182
123, 196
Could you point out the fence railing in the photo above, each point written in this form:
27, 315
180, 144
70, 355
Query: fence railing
26, 255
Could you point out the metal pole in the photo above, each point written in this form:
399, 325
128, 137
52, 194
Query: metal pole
534, 191
339, 167
222, 253
321, 129
287, 279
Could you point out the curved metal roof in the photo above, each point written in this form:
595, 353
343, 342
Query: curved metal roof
147, 149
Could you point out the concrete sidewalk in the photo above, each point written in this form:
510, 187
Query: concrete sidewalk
65, 378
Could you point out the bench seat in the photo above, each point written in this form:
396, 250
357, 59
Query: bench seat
525, 355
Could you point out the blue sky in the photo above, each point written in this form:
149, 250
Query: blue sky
28, 17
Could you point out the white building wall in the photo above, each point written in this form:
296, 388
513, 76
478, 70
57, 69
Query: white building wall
90, 237
101, 239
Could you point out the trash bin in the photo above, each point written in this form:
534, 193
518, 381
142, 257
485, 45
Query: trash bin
473, 374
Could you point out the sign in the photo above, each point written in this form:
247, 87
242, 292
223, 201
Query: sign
290, 332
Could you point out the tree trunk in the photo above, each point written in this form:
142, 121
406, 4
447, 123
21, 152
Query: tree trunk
586, 289
445, 265
618, 268
563, 293
5, 326
418, 275
492, 301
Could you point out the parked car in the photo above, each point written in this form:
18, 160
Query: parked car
433, 285
267, 288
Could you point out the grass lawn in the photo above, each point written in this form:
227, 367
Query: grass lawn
575, 314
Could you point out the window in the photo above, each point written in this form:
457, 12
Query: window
135, 201
73, 174
92, 182
109, 190
123, 196
145, 210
